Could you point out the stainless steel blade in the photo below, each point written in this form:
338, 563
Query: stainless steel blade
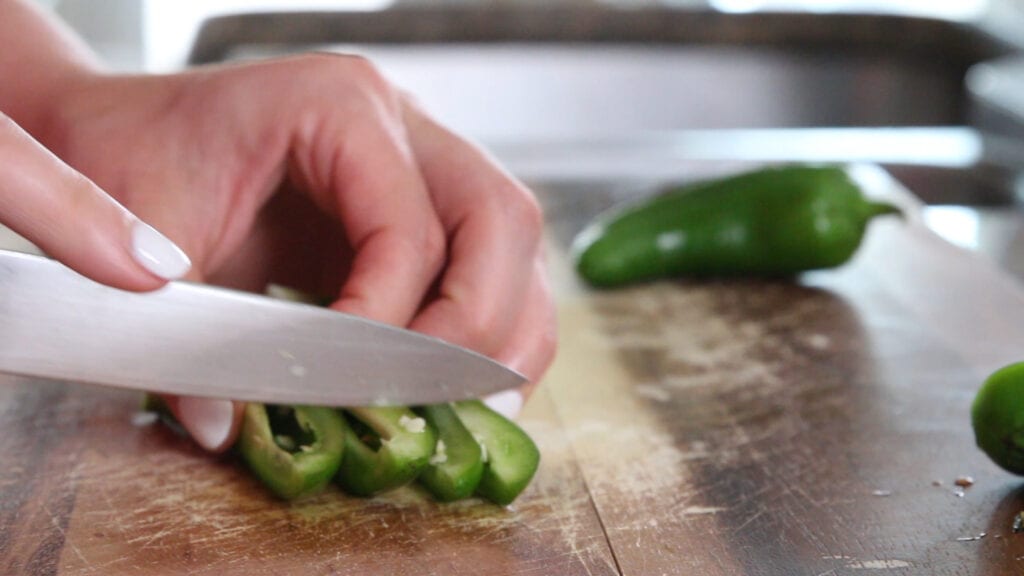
201, 341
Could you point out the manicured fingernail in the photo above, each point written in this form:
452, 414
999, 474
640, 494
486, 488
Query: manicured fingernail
508, 403
157, 253
207, 420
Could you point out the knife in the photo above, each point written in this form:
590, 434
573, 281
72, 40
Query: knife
194, 340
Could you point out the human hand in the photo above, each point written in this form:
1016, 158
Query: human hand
315, 173
73, 220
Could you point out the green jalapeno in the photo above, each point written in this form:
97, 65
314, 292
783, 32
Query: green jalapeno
387, 448
454, 450
772, 222
293, 450
156, 405
510, 456
455, 469
997, 416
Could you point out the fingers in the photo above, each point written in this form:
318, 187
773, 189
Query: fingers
493, 296
531, 346
213, 423
397, 241
358, 162
494, 227
73, 221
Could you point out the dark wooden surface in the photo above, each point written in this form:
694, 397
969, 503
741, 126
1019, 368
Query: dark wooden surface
723, 427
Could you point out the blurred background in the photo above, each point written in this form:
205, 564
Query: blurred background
587, 90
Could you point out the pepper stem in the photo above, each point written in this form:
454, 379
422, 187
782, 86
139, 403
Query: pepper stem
872, 209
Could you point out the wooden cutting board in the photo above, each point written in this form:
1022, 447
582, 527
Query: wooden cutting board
722, 427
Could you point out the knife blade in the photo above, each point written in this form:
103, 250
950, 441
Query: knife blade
196, 340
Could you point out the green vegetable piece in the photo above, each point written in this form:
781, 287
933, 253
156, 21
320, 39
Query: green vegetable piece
294, 451
281, 292
770, 222
155, 404
997, 417
455, 469
510, 456
388, 448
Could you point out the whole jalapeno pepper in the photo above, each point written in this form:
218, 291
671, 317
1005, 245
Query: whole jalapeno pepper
997, 417
293, 450
386, 448
510, 456
455, 469
774, 221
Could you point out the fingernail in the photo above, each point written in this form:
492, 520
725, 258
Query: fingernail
207, 420
156, 253
508, 403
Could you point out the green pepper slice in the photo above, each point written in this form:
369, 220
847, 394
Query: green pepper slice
387, 448
455, 469
293, 450
511, 458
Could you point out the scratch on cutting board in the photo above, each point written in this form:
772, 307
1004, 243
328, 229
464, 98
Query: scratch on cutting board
669, 516
56, 521
148, 540
653, 392
699, 510
852, 563
877, 564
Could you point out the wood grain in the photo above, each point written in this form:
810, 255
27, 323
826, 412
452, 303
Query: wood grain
808, 427
812, 427
92, 494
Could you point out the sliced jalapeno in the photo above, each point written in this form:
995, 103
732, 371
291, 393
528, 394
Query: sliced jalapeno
510, 456
387, 448
293, 450
455, 469
156, 405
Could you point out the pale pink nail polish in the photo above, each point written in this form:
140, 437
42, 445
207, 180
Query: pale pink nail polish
156, 253
508, 403
207, 420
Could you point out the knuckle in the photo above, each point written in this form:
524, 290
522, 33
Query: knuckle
410, 100
545, 339
6, 123
433, 247
547, 345
351, 69
479, 327
9, 141
526, 212
541, 353
12, 136
365, 73
363, 67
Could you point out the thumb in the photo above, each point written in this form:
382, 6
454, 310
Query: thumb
74, 221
